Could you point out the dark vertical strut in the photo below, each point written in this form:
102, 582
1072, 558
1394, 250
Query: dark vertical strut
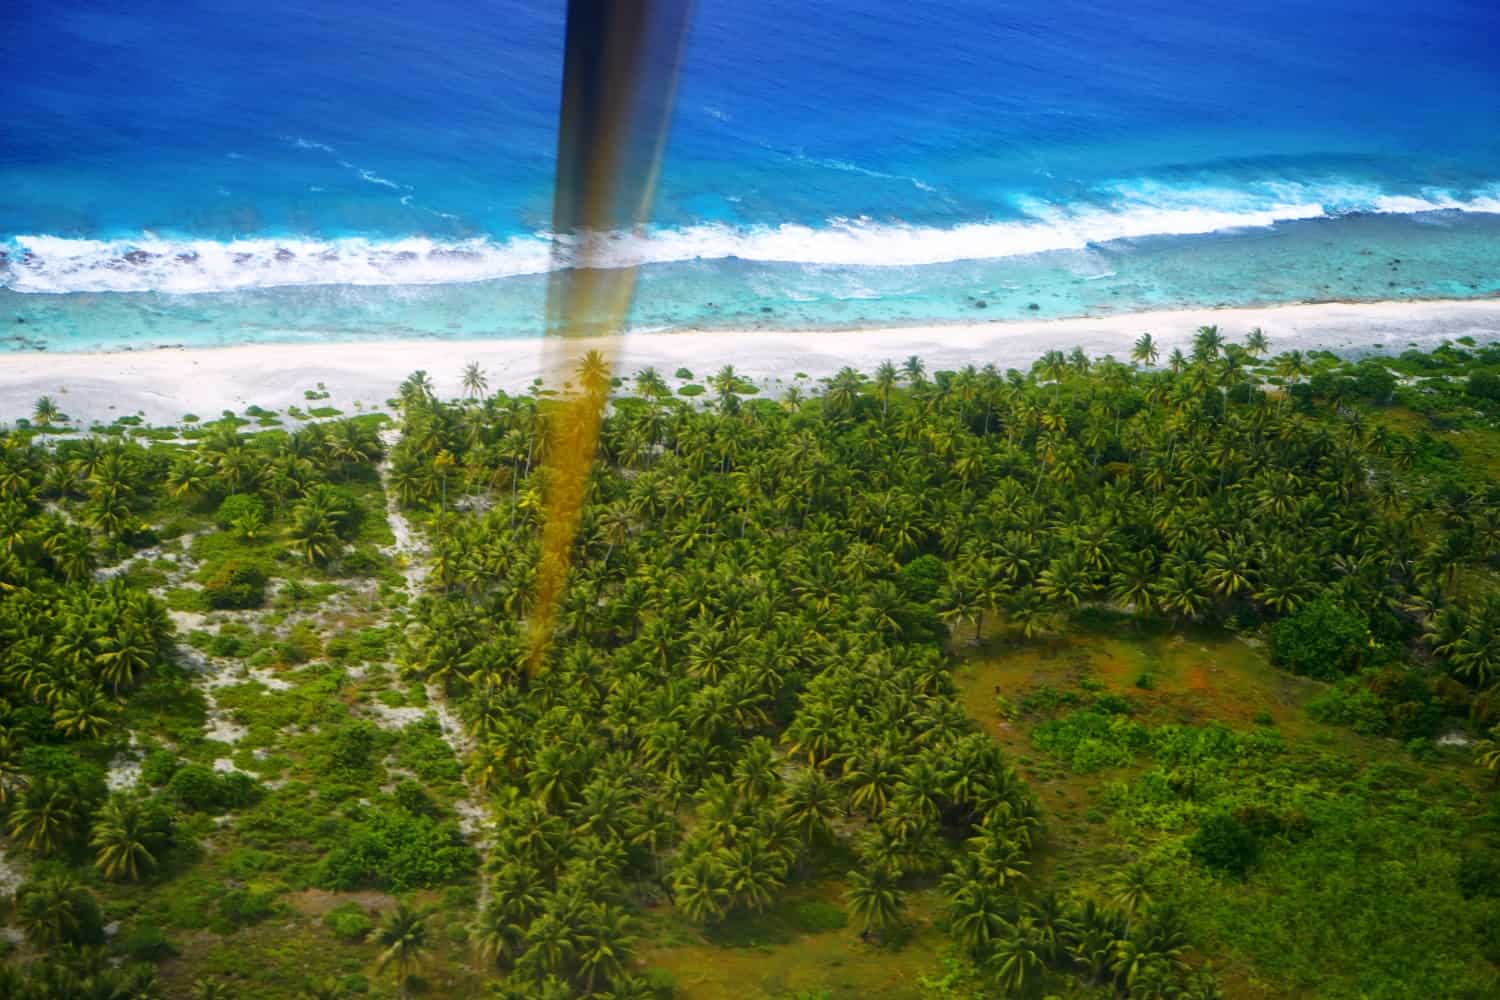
621, 59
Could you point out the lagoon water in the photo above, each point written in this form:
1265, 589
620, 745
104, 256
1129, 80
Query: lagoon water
229, 171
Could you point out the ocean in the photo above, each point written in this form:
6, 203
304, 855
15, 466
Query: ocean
226, 171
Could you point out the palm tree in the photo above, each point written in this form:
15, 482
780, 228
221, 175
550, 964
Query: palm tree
700, 888
1016, 964
874, 899
811, 804
1256, 344
1475, 653
594, 373
1145, 350
753, 873
886, 377
124, 832
959, 602
495, 934
327, 988
125, 655
648, 382
475, 384
415, 391
1132, 887
1207, 343
54, 910
84, 712
726, 383
606, 946
977, 912
1292, 365
843, 392
550, 943
1487, 753
312, 533
211, 989
45, 411
402, 938
1181, 590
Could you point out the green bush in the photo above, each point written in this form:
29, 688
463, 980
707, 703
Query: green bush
1225, 844
158, 767
1484, 385
353, 750
397, 852
242, 907
348, 921
238, 506
1479, 876
75, 907
1091, 740
1358, 709
197, 787
1090, 754
1200, 744
1322, 640
813, 916
236, 584
65, 768
228, 644
923, 577
300, 645
361, 560
1373, 381
414, 799
147, 943
1113, 704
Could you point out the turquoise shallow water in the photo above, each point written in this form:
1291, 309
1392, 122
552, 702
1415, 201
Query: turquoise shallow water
232, 170
1358, 258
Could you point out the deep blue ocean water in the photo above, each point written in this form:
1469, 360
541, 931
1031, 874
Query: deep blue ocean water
227, 170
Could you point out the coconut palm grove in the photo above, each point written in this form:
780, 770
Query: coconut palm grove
1173, 677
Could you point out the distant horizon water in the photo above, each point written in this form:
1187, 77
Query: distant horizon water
286, 170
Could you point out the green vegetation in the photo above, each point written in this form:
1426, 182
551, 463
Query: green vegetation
1099, 680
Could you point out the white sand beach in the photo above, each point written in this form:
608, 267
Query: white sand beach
162, 385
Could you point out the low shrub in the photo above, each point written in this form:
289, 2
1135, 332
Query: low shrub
202, 788
1322, 640
348, 921
396, 852
241, 908
300, 645
158, 767
235, 583
1225, 844
1484, 385
147, 943
237, 507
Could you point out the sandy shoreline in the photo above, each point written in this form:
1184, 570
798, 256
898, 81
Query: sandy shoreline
164, 384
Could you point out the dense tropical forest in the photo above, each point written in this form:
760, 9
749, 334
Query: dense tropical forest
1171, 678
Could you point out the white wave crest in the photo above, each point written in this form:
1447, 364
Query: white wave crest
151, 263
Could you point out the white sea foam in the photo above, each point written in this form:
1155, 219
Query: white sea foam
43, 263
375, 178
855, 168
301, 143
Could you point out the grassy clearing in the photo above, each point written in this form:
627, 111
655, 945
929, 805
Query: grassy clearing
1363, 844
801, 947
